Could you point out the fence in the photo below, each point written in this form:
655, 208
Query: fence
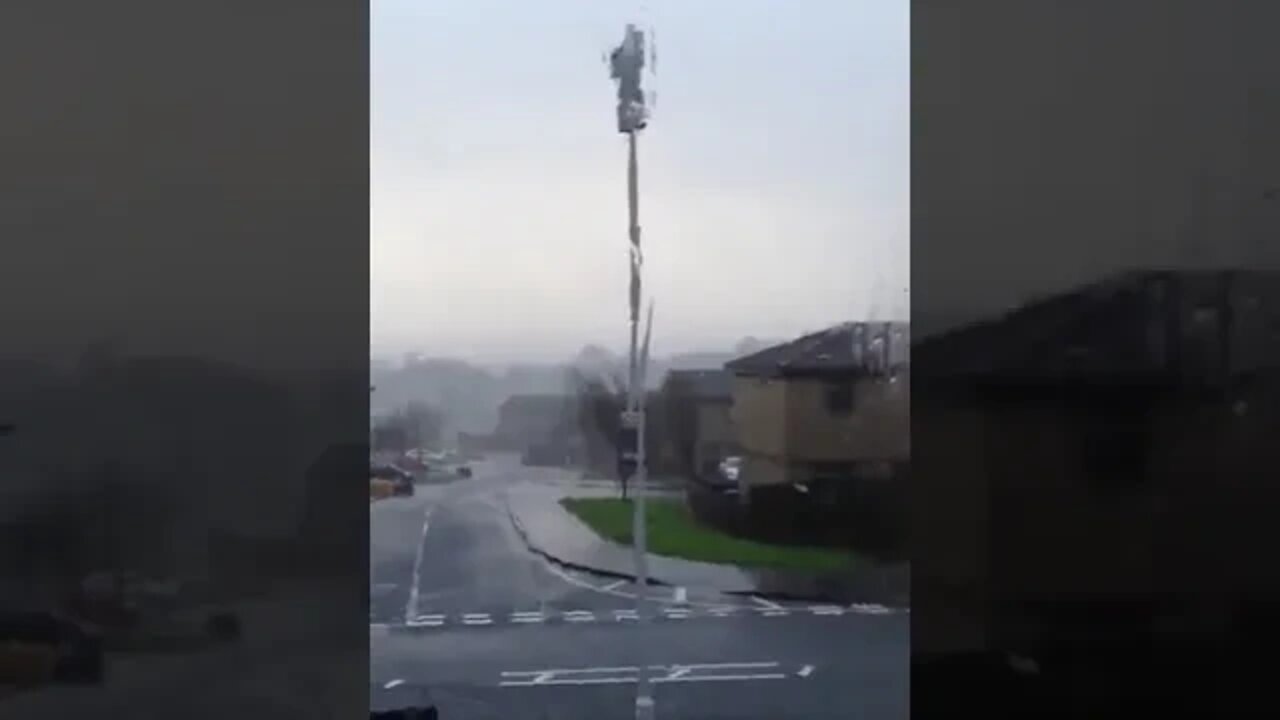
861, 514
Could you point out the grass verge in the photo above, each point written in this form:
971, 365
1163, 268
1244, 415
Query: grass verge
672, 531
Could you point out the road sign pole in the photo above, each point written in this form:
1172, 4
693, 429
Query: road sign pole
627, 62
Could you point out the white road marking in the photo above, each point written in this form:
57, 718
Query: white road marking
681, 595
565, 671
722, 678
614, 585
804, 671
411, 609
633, 668
657, 680
393, 683
767, 604
672, 673
667, 611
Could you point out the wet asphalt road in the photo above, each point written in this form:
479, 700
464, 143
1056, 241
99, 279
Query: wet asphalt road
499, 632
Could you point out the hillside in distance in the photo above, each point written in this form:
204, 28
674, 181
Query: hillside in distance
470, 394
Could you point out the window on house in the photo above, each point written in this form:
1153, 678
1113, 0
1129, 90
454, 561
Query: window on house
839, 398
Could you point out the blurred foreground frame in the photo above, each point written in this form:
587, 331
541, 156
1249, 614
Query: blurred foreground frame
1064, 454
185, 362
1093, 445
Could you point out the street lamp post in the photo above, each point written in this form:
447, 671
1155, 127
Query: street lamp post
626, 65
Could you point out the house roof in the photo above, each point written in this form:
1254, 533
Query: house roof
1158, 325
704, 384
847, 347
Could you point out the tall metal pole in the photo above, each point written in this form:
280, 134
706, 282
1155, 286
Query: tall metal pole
626, 64
635, 409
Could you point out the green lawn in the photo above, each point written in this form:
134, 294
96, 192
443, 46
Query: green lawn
673, 531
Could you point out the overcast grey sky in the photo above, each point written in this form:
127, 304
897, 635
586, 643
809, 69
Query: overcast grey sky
774, 174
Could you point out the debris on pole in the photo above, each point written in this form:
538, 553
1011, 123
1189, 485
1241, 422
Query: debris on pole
626, 65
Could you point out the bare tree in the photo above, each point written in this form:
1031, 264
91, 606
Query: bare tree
680, 416
417, 424
600, 403
424, 423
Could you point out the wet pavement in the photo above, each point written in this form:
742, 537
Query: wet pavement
492, 630
748, 668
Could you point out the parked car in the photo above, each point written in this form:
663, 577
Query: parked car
38, 647
464, 471
401, 479
724, 477
379, 489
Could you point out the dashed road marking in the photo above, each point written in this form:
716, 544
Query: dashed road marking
662, 612
706, 672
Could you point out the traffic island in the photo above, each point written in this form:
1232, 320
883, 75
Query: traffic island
672, 531
550, 529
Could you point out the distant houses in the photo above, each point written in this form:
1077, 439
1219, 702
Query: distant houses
695, 412
829, 407
819, 428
